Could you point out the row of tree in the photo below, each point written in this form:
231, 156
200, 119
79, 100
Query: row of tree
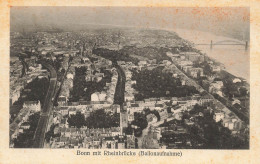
97, 119
37, 91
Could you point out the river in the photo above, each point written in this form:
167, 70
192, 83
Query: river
235, 58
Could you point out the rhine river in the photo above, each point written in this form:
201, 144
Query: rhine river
235, 58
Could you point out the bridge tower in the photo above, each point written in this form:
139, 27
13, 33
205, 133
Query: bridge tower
211, 44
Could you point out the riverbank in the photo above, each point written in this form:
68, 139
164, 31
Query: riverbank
235, 58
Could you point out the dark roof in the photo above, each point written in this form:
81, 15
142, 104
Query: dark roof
25, 124
30, 102
134, 105
62, 99
109, 138
158, 105
84, 102
14, 109
237, 106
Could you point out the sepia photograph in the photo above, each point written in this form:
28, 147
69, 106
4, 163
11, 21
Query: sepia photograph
129, 78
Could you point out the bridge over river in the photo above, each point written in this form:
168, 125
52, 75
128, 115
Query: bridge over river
226, 42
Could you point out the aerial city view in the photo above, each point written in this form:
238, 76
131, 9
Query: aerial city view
119, 78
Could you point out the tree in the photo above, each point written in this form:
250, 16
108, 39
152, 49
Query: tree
140, 120
129, 130
50, 133
77, 120
207, 69
138, 132
101, 119
168, 103
169, 110
185, 115
159, 83
147, 111
156, 113
136, 143
243, 91
24, 140
196, 109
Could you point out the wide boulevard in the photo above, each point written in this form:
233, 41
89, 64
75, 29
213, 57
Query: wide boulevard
39, 135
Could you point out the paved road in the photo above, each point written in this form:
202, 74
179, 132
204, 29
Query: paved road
120, 88
57, 92
39, 135
146, 130
201, 89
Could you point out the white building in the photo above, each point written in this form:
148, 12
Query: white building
219, 116
32, 105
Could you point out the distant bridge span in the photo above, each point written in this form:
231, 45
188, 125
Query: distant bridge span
227, 42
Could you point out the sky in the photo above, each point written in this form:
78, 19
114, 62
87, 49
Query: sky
231, 21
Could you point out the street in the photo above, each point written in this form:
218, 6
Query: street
39, 135
120, 88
